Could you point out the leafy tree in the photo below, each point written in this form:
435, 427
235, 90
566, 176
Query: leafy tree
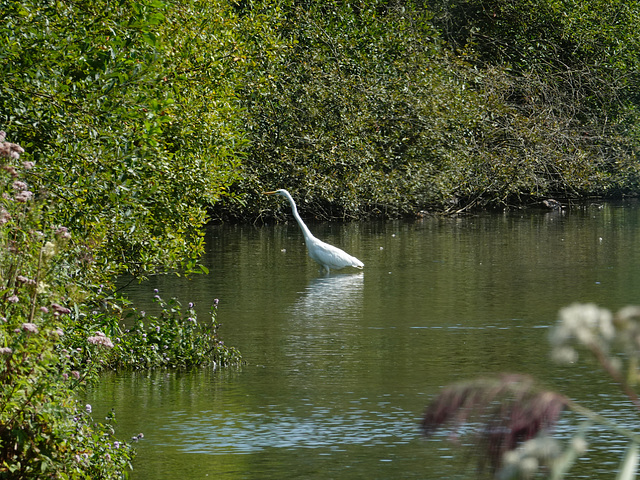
365, 109
127, 112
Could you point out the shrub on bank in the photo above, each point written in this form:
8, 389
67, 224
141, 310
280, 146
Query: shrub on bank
44, 431
56, 336
175, 338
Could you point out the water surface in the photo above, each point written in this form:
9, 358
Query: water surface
340, 367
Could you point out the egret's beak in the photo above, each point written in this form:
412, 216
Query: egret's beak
268, 193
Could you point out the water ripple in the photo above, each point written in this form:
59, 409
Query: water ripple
228, 432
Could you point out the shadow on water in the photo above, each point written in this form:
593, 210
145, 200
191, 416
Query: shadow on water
340, 367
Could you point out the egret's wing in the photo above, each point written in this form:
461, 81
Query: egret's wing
332, 257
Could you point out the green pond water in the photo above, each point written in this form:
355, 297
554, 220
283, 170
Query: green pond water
339, 368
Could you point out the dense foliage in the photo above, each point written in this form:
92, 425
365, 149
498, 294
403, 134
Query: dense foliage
56, 335
387, 108
125, 109
164, 109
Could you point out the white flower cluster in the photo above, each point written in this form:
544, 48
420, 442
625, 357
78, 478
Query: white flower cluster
524, 461
613, 339
585, 324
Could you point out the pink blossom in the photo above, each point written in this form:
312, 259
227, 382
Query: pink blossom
28, 165
63, 232
12, 171
19, 185
30, 327
4, 216
24, 196
23, 279
10, 150
100, 339
5, 351
59, 308
13, 299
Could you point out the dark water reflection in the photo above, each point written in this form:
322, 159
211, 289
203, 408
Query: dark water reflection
340, 367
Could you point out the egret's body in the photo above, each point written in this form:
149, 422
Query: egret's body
326, 255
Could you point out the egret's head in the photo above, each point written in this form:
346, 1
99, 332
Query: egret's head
281, 192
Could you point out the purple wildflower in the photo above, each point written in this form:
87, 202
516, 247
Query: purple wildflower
10, 150
5, 351
25, 280
13, 299
512, 409
11, 170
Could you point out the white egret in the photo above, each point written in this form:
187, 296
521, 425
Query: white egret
326, 255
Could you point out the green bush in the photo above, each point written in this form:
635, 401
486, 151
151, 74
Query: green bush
356, 110
568, 72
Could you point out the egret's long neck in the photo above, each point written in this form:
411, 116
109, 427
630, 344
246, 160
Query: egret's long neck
305, 230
